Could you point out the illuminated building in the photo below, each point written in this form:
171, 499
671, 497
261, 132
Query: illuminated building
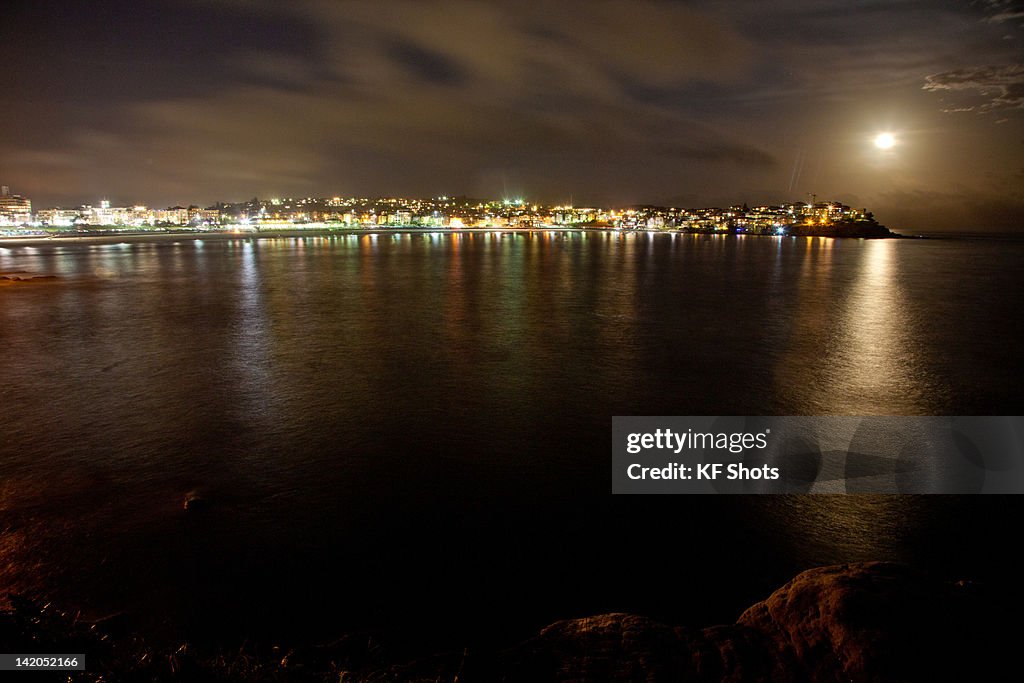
197, 216
14, 209
174, 215
57, 218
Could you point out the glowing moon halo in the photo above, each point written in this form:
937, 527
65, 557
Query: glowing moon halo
885, 140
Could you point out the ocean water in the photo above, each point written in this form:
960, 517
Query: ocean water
410, 432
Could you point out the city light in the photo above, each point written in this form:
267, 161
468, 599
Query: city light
446, 212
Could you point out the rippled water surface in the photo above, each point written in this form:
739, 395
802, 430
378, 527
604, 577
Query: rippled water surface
405, 429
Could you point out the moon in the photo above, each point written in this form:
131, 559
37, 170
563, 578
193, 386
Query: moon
885, 140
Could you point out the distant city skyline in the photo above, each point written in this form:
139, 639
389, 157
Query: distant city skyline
912, 109
17, 216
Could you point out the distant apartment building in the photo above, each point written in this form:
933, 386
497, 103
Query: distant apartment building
105, 214
174, 215
14, 209
197, 216
96, 215
57, 218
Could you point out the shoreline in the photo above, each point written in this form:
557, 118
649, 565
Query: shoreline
106, 237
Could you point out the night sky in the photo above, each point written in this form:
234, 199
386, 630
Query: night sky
676, 103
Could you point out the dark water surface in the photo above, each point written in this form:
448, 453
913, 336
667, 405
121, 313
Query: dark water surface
412, 431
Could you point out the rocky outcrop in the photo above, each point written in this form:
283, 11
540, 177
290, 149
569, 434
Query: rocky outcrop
857, 622
862, 229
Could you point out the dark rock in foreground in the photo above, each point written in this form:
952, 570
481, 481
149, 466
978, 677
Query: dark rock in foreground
870, 621
859, 622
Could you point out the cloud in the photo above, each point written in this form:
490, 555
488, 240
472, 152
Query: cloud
1002, 11
1006, 16
405, 96
1001, 86
525, 55
425, 64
